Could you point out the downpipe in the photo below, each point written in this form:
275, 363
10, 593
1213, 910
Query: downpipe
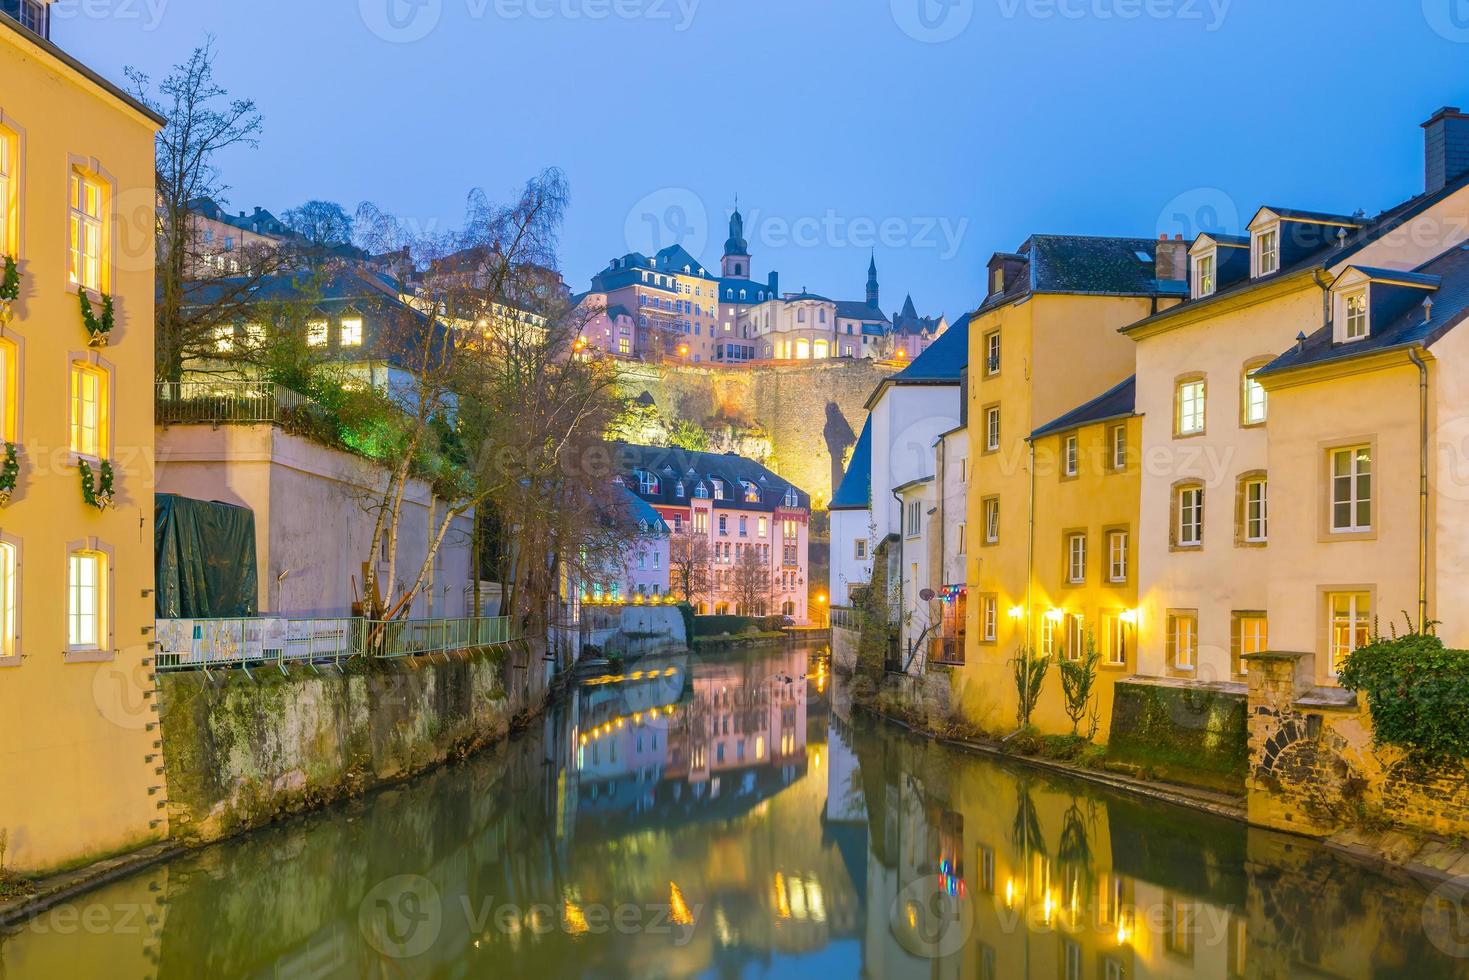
1417, 359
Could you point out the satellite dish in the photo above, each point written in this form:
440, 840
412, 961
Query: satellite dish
928, 595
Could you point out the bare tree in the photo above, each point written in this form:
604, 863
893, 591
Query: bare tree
751, 583
690, 564
320, 223
200, 287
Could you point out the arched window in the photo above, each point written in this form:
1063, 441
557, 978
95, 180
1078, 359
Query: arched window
679, 490
701, 490
792, 499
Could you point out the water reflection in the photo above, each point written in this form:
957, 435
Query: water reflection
732, 817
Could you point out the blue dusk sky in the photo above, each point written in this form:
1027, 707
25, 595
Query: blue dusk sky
934, 132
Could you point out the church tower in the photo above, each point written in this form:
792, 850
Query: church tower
736, 264
872, 292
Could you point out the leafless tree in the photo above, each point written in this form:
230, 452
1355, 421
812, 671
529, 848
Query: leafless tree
319, 223
690, 564
751, 583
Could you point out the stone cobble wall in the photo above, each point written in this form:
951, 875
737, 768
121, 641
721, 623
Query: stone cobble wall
1184, 733
812, 411
1314, 769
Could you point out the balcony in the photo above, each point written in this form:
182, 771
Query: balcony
219, 403
946, 651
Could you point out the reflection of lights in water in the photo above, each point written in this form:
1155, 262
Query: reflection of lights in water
573, 919
759, 746
1124, 928
912, 915
816, 759
782, 904
636, 675
726, 935
1048, 909
678, 908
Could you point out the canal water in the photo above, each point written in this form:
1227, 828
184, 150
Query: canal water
732, 817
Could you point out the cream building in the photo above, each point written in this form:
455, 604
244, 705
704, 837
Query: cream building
80, 771
1228, 565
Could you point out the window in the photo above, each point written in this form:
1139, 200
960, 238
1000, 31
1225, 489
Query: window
764, 526
992, 429
648, 483
915, 518
224, 338
1048, 636
88, 411
1117, 440
9, 390
1252, 399
1183, 639
744, 526
1117, 556
1070, 456
1076, 639
701, 490
1204, 281
1351, 489
9, 633
718, 489
1188, 416
859, 547
991, 511
624, 345
963, 539
724, 524
352, 331
1350, 625
1114, 638
1075, 559
1071, 954
1181, 927
1269, 251
86, 582
992, 353
86, 231
7, 194
1189, 532
1356, 316
1251, 634
989, 618
1255, 501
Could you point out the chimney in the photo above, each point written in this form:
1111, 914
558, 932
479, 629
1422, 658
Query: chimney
1172, 259
1446, 148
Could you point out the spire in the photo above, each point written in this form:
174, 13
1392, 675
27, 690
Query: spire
872, 290
909, 310
736, 244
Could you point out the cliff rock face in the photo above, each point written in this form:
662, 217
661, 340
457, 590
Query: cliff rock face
810, 412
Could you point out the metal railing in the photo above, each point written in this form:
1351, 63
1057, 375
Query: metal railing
202, 644
223, 402
946, 650
846, 618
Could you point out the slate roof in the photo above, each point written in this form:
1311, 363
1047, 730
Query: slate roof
854, 309
1410, 278
855, 491
1235, 241
1116, 402
671, 464
640, 513
1314, 217
1087, 265
1330, 254
943, 362
1409, 329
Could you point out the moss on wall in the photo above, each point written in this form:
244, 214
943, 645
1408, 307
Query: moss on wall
1184, 734
243, 750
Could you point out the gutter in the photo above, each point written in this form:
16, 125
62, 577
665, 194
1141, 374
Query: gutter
1417, 359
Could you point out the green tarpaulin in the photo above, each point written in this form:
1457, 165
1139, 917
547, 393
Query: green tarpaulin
205, 556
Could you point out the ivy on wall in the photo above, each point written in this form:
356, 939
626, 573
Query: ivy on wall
1418, 690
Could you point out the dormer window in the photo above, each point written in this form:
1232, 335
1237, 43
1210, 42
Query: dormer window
1267, 251
718, 489
648, 483
792, 499
679, 490
1205, 275
752, 493
997, 281
1355, 325
701, 490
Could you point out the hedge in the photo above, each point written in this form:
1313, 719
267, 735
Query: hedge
735, 625
1418, 691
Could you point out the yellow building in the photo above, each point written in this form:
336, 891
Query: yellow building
80, 773
1045, 341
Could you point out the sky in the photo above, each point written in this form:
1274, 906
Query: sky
930, 133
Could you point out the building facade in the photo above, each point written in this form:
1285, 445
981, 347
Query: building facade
80, 767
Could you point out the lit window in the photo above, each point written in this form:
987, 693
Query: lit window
7, 192
1269, 251
1114, 633
1251, 635
1257, 511
1048, 636
1204, 275
224, 338
1076, 559
648, 483
254, 335
1189, 407
989, 613
1076, 639
86, 584
8, 631
1190, 531
1117, 556
1252, 399
86, 231
1183, 640
1069, 456
9, 391
1356, 316
317, 332
88, 415
352, 332
1351, 489
624, 345
1351, 625
765, 527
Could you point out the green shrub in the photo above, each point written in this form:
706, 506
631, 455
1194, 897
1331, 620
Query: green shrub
1418, 691
719, 625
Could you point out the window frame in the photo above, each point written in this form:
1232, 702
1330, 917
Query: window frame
1354, 501
1239, 619
1070, 456
992, 428
1177, 541
1361, 619
1074, 557
103, 649
990, 515
1173, 620
89, 364
1206, 277
1267, 250
993, 351
12, 562
1112, 535
1245, 536
989, 617
1248, 387
1363, 316
1117, 447
82, 175
1179, 384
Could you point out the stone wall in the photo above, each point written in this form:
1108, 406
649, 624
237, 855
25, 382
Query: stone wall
1314, 769
243, 750
813, 411
1186, 733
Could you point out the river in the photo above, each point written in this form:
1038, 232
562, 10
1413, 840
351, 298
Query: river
732, 817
